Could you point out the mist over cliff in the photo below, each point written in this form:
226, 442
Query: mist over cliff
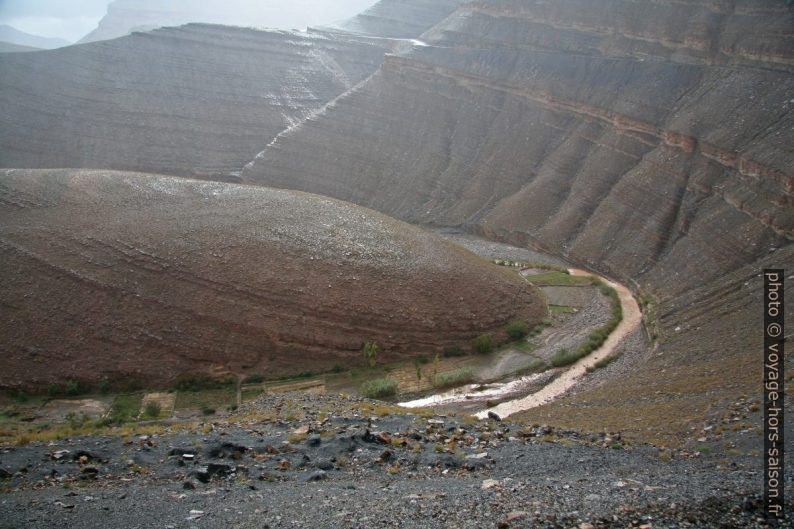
125, 16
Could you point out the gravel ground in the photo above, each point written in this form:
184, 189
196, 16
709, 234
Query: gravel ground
349, 467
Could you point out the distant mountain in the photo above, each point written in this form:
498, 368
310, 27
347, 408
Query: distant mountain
125, 16
199, 100
11, 35
7, 47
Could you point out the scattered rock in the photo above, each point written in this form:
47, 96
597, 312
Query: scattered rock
324, 464
59, 454
180, 451
303, 430
490, 484
317, 476
226, 450
494, 416
206, 474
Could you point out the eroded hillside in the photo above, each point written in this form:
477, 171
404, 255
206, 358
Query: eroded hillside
146, 277
655, 149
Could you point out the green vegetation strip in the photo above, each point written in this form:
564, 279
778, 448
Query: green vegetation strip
560, 279
379, 388
451, 379
565, 357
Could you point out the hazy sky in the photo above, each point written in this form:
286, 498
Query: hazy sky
73, 19
66, 19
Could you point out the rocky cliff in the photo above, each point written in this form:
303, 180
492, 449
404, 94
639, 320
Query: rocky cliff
628, 164
146, 277
651, 141
400, 18
197, 100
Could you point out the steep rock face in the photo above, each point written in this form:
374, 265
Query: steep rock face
146, 276
656, 149
197, 100
125, 16
630, 166
400, 18
744, 32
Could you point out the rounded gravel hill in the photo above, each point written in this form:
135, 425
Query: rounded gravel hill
140, 276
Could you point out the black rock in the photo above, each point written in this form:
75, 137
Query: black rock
180, 451
189, 485
89, 472
494, 416
205, 474
224, 450
324, 464
448, 461
4, 474
89, 456
314, 440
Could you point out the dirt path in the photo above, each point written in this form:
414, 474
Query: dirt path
632, 317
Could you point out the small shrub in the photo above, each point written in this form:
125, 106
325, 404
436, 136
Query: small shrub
604, 362
104, 385
53, 390
337, 369
254, 379
371, 353
564, 357
202, 381
20, 397
483, 344
450, 379
379, 388
208, 411
517, 330
76, 421
72, 388
152, 409
453, 351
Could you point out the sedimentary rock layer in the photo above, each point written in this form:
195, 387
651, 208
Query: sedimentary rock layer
626, 165
145, 276
197, 100
400, 18
651, 141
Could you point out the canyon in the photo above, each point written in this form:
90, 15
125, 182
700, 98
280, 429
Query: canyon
253, 209
656, 154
